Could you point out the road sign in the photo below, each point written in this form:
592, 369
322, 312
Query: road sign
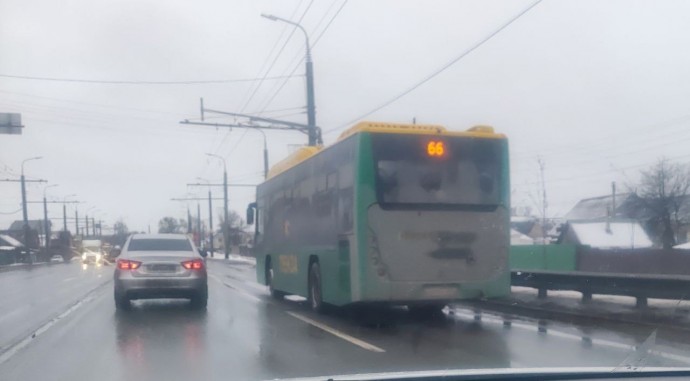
11, 124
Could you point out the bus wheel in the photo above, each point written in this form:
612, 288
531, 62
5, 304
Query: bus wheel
269, 279
315, 297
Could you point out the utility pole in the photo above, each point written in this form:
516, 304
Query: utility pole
613, 195
198, 210
189, 221
25, 213
309, 71
93, 225
76, 221
86, 222
210, 221
46, 222
198, 224
225, 227
64, 217
544, 204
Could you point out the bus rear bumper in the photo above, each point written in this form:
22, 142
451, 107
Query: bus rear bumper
424, 293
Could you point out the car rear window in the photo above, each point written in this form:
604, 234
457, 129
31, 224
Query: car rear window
153, 244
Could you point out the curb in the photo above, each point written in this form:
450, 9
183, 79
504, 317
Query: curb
7, 268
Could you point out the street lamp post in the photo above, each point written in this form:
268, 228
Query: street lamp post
86, 221
46, 222
226, 223
199, 238
25, 213
64, 211
265, 153
210, 214
311, 107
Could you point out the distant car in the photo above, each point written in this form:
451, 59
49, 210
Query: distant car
56, 259
92, 251
153, 266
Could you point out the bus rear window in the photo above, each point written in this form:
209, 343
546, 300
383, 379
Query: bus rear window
433, 170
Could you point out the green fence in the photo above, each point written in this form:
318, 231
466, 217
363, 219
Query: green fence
543, 257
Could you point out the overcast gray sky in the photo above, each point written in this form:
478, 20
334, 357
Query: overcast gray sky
598, 89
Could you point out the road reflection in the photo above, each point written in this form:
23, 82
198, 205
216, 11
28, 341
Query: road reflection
410, 342
162, 339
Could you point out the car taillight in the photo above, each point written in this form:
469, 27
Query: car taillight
196, 264
126, 264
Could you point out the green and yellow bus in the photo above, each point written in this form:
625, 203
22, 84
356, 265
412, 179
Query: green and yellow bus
404, 214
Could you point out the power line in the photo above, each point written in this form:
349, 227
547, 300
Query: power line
275, 59
440, 70
301, 59
256, 88
127, 82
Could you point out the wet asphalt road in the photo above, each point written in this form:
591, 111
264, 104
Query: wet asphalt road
244, 334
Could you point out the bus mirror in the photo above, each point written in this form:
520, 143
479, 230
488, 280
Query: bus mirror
250, 213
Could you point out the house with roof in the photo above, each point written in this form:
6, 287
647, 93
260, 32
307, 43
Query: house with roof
532, 228
606, 234
627, 207
36, 232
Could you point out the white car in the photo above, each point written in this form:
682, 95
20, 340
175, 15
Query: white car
56, 259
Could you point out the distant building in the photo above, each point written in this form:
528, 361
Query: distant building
36, 232
629, 206
606, 235
519, 239
532, 228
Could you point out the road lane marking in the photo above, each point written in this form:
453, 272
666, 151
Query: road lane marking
239, 291
15, 348
574, 337
335, 332
247, 282
69, 279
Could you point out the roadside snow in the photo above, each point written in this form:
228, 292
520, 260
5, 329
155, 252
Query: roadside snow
619, 235
218, 256
517, 238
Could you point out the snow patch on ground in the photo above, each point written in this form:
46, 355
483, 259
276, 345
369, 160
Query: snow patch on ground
235, 258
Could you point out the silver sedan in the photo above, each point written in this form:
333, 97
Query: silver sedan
160, 266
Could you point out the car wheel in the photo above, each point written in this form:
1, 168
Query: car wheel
277, 294
122, 303
315, 295
200, 300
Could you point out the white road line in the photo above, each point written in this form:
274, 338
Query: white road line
69, 279
256, 286
239, 291
335, 332
594, 341
41, 330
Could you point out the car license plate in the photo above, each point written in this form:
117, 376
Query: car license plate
161, 268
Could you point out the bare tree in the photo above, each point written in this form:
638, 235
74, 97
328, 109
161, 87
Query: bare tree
540, 200
233, 229
172, 225
120, 228
664, 188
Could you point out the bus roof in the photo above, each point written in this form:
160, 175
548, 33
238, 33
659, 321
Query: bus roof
305, 153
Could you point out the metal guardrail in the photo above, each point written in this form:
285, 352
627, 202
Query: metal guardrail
639, 286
